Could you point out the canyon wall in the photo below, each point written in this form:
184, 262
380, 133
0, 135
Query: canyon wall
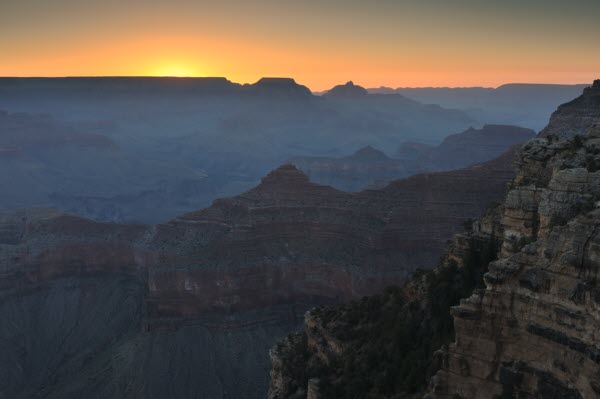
533, 331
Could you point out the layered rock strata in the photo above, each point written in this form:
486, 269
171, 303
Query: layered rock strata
577, 116
290, 240
532, 331
191, 306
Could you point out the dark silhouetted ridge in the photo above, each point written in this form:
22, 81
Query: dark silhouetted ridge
283, 87
368, 153
348, 90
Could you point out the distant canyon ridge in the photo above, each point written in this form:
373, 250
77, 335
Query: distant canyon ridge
148, 149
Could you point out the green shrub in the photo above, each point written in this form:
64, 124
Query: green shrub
592, 164
576, 142
518, 245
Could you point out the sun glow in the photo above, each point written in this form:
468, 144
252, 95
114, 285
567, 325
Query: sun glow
175, 70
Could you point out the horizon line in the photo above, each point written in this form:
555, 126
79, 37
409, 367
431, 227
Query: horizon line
284, 77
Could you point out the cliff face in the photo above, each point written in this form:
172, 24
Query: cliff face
533, 331
577, 116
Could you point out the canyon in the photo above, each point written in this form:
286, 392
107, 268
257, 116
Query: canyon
98, 309
511, 310
191, 306
148, 149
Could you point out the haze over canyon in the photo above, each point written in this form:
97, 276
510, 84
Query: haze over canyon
275, 199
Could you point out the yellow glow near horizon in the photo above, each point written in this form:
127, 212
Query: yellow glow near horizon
175, 70
319, 44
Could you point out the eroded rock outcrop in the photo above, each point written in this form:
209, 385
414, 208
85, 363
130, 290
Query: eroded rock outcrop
533, 331
577, 116
348, 90
293, 241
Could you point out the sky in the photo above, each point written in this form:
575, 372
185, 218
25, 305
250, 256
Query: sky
320, 43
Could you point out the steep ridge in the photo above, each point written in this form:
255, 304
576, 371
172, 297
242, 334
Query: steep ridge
191, 306
371, 168
529, 329
290, 240
522, 104
346, 90
148, 149
468, 147
577, 116
366, 168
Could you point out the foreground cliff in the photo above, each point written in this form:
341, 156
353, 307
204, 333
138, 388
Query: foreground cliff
533, 332
529, 325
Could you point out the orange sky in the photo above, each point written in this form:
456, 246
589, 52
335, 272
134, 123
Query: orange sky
319, 43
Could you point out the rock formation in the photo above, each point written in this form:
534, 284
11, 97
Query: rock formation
577, 116
279, 87
348, 90
292, 241
147, 149
532, 331
366, 168
521, 104
191, 306
371, 168
466, 148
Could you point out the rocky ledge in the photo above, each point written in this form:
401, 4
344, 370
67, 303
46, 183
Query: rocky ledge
577, 116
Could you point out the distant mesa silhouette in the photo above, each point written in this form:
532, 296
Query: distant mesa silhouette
285, 87
349, 90
368, 154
